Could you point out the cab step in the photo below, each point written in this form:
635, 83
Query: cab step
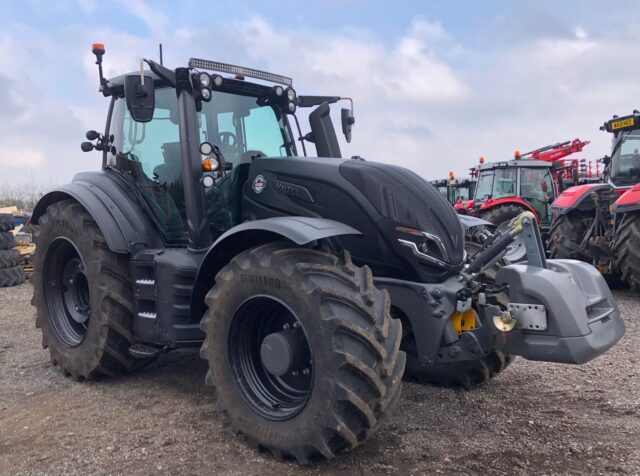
145, 351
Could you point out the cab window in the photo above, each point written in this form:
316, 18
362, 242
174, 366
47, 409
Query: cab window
242, 127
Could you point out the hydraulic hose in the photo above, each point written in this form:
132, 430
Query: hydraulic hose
500, 243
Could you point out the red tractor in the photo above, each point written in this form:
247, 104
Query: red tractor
530, 182
600, 223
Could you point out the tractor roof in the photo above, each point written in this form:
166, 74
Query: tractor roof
236, 86
521, 163
621, 124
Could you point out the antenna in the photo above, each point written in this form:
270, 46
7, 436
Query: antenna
160, 49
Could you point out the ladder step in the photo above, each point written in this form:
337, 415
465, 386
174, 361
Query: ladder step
143, 351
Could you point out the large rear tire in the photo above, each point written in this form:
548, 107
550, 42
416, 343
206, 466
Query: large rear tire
627, 248
566, 234
343, 375
465, 374
83, 295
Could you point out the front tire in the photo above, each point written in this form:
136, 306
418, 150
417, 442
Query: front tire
344, 373
627, 249
83, 295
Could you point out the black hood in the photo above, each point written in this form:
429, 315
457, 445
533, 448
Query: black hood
373, 198
409, 201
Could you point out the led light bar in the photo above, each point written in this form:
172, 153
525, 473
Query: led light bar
239, 70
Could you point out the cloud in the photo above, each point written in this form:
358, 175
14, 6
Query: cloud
155, 19
425, 98
409, 70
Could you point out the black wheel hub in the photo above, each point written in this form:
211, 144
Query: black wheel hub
76, 290
284, 352
270, 358
66, 292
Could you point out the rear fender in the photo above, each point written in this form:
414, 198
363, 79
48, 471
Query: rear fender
125, 225
629, 201
491, 203
577, 198
298, 230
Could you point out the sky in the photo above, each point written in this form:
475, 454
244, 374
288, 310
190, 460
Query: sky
436, 84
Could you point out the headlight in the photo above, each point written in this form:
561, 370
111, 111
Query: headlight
291, 95
206, 148
292, 107
205, 80
423, 245
217, 80
278, 91
206, 94
208, 181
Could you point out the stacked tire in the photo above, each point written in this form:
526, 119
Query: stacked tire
11, 273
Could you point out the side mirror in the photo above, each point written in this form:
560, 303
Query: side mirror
323, 134
606, 160
140, 97
347, 122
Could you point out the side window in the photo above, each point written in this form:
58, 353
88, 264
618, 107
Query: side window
263, 132
146, 141
505, 183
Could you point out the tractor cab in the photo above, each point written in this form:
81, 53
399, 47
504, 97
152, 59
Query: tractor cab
234, 121
232, 130
623, 167
528, 182
455, 190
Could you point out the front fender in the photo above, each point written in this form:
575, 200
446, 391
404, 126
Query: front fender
578, 197
629, 201
491, 203
299, 230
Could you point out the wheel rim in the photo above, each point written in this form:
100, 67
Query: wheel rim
66, 292
517, 250
257, 322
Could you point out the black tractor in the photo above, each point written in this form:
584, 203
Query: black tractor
305, 281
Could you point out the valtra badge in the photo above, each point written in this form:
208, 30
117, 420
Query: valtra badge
259, 184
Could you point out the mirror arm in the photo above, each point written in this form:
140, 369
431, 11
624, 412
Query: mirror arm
301, 138
163, 73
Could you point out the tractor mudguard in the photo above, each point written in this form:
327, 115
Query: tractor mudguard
565, 313
489, 204
124, 223
578, 197
300, 230
629, 201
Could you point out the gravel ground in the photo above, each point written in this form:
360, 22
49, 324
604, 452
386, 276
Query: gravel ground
535, 419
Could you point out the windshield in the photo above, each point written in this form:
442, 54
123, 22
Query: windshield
625, 162
241, 126
496, 183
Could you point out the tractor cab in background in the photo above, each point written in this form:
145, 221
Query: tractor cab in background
528, 182
457, 191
